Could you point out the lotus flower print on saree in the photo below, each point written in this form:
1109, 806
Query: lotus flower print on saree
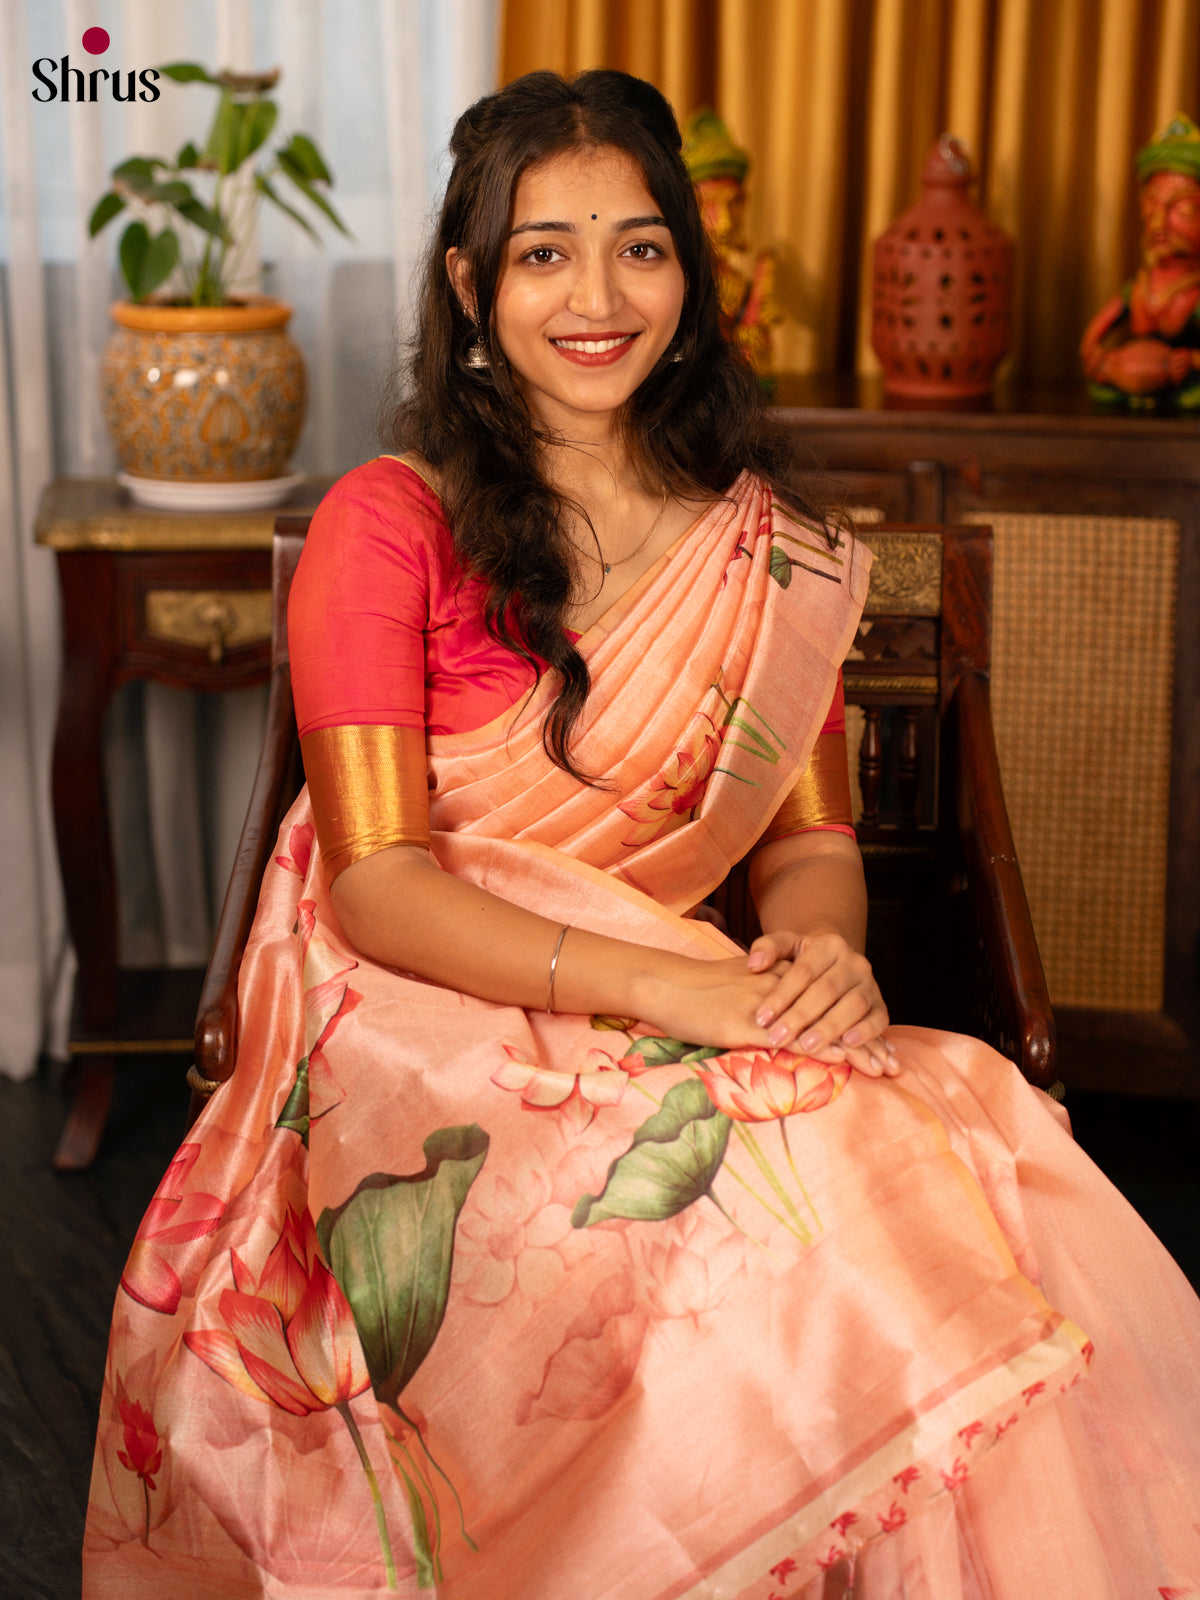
330, 1309
676, 1155
673, 796
356, 1300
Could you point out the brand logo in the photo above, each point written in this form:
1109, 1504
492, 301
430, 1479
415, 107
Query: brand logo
59, 80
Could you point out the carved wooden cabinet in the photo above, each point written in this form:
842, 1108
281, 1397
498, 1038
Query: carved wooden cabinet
1095, 682
182, 598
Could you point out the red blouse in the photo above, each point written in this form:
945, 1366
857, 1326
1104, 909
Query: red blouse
382, 626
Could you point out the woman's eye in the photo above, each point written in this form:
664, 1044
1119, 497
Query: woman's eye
542, 255
644, 251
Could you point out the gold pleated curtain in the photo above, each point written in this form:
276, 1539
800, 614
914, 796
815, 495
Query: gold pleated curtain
838, 102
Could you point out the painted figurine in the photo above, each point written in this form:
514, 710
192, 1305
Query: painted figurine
746, 282
1142, 350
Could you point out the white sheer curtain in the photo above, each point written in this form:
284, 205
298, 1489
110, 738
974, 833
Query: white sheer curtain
378, 84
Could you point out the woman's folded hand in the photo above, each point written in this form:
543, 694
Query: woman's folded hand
704, 1002
823, 1000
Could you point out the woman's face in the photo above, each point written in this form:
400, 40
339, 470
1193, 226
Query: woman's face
591, 289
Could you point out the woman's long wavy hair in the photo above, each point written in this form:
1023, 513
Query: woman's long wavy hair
694, 424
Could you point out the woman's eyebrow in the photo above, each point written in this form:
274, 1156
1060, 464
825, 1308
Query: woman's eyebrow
569, 227
542, 227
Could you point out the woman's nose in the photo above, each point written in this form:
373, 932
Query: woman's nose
594, 294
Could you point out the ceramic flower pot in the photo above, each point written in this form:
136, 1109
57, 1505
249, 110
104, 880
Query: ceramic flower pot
943, 288
204, 403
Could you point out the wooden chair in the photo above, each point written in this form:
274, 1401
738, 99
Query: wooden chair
951, 936
949, 931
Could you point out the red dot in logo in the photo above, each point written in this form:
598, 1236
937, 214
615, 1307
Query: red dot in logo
95, 41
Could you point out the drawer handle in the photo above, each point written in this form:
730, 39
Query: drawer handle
212, 620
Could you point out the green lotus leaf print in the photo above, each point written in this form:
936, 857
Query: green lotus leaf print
295, 1112
672, 1162
390, 1247
657, 1052
780, 568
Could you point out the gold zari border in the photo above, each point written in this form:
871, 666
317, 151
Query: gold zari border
369, 790
821, 796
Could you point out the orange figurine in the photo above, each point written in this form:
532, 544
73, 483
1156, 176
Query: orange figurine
745, 282
1142, 350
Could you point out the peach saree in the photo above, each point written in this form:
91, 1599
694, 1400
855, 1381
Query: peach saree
446, 1297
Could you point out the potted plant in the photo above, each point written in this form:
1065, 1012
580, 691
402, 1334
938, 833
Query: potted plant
202, 390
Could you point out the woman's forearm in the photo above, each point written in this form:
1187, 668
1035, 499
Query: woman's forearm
812, 883
400, 909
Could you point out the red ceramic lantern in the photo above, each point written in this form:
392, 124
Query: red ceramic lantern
943, 288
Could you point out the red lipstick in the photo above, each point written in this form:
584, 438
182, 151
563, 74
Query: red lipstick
601, 357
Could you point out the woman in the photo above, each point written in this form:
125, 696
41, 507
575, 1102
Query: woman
669, 1271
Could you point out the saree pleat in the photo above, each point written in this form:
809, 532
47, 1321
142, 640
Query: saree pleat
447, 1297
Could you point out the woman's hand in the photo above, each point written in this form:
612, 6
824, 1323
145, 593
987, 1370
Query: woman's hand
824, 1000
705, 1002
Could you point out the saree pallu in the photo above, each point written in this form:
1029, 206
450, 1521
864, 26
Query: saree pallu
446, 1297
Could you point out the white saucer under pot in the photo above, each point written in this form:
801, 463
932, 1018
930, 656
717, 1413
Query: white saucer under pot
197, 494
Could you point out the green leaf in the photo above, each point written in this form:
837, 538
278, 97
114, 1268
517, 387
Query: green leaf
158, 263
256, 128
291, 169
198, 213
147, 262
672, 1162
108, 207
308, 158
609, 1024
295, 1112
264, 188
137, 173
187, 72
390, 1247
135, 243
168, 194
225, 135
781, 567
661, 1052
189, 156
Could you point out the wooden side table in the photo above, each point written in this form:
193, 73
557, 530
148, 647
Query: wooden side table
183, 598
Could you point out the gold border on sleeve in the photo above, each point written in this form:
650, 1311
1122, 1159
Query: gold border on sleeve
821, 796
369, 788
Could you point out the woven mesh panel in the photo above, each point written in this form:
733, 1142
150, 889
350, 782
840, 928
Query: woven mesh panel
1082, 658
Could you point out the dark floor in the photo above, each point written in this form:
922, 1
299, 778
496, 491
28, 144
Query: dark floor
66, 1236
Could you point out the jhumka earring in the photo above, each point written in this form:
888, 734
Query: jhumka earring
477, 356
678, 356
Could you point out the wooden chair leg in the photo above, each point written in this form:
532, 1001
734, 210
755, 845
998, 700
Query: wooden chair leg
80, 1138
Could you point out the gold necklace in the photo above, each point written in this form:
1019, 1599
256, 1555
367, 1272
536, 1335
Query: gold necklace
609, 565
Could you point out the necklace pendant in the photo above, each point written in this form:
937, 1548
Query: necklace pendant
607, 568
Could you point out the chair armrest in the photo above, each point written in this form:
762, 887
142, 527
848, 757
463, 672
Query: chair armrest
1019, 999
276, 781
